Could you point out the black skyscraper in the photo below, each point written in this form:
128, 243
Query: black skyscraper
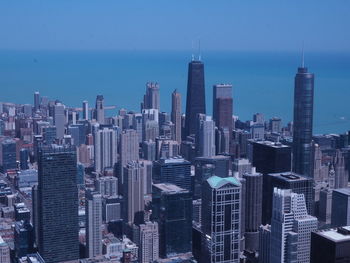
58, 204
302, 124
195, 101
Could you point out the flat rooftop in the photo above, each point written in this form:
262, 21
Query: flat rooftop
290, 176
271, 144
336, 234
169, 188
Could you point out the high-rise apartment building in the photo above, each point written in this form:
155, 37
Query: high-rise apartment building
176, 114
93, 213
57, 204
105, 147
133, 190
253, 209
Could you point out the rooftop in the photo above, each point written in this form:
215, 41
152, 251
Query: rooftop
290, 176
336, 234
217, 182
345, 191
271, 144
169, 188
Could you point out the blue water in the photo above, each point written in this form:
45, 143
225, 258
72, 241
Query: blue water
263, 82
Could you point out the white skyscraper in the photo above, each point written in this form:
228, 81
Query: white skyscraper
93, 206
59, 120
291, 228
133, 189
105, 148
129, 147
206, 137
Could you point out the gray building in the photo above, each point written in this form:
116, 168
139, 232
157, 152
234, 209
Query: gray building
176, 115
93, 212
253, 209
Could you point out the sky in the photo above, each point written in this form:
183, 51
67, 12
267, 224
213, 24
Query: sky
247, 25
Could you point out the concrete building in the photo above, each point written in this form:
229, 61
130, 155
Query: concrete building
93, 211
291, 228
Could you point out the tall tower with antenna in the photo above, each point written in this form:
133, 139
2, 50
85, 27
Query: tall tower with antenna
303, 120
195, 100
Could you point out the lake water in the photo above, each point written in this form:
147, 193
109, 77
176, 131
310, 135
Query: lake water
262, 82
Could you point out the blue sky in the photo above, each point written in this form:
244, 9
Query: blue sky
247, 25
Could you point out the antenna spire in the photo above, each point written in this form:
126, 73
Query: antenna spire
302, 57
199, 50
192, 50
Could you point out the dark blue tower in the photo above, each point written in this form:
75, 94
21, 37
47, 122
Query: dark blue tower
303, 119
195, 101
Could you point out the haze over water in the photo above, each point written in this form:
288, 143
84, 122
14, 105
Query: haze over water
262, 82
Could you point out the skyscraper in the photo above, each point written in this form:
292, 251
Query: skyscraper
176, 114
36, 101
151, 98
172, 209
58, 226
271, 157
93, 212
206, 137
133, 189
221, 210
291, 228
129, 149
7, 155
297, 183
59, 120
105, 141
223, 106
99, 109
253, 209
302, 123
174, 171
148, 242
195, 100
85, 110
